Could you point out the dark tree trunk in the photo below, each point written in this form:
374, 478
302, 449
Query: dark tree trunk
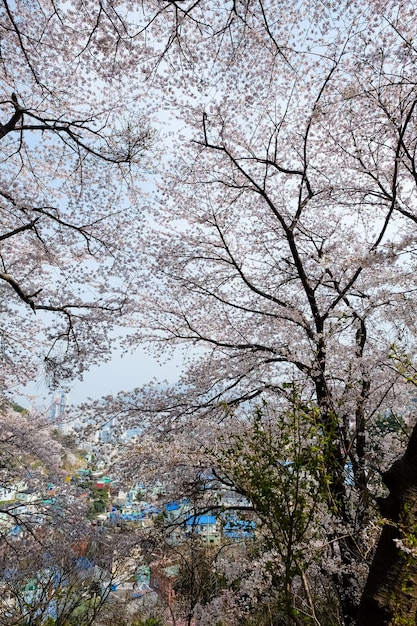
390, 595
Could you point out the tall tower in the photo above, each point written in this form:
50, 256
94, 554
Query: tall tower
57, 410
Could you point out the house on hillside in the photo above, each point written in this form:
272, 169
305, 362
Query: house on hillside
27, 496
206, 526
104, 483
176, 511
8, 492
163, 576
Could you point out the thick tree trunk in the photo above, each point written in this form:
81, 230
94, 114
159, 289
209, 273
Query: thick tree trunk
390, 595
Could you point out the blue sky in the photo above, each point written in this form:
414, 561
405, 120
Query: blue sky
123, 373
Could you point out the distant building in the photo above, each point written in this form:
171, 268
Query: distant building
27, 496
162, 580
8, 492
206, 526
107, 432
57, 412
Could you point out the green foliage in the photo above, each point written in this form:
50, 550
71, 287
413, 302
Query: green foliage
99, 499
283, 461
150, 621
280, 463
16, 407
403, 364
389, 422
197, 580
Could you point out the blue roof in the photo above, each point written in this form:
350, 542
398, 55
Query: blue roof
176, 504
84, 563
239, 524
206, 476
173, 506
151, 509
132, 516
201, 520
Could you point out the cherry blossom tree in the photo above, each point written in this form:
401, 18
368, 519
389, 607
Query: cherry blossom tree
284, 245
74, 145
71, 138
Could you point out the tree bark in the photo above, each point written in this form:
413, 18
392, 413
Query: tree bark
390, 595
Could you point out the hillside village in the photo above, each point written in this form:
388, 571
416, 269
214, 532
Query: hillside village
140, 580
